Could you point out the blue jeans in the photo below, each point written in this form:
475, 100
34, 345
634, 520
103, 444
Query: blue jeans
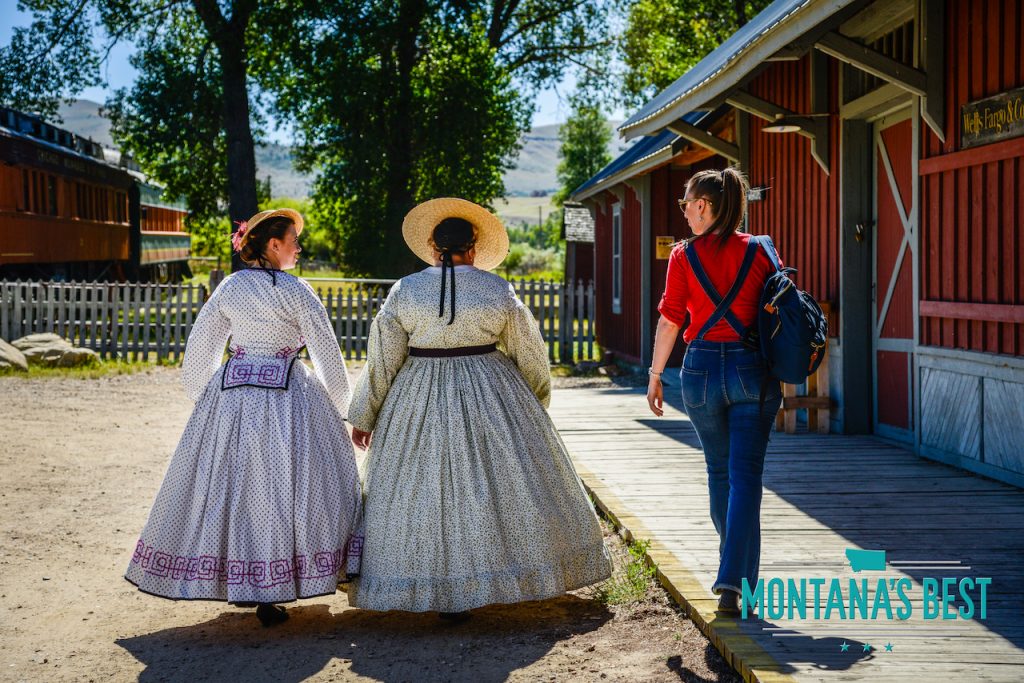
721, 391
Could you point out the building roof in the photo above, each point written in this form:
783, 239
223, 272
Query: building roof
648, 149
577, 223
773, 29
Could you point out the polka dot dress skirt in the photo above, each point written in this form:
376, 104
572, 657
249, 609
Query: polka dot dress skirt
261, 501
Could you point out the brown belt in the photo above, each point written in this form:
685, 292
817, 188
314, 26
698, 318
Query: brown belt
451, 353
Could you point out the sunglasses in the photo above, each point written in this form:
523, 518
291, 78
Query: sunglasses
684, 202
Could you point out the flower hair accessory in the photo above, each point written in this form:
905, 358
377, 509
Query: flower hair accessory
236, 238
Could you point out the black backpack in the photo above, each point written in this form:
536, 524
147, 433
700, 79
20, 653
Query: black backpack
791, 330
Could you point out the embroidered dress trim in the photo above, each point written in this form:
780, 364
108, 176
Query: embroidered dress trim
268, 372
261, 574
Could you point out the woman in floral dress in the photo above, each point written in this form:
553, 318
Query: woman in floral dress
470, 496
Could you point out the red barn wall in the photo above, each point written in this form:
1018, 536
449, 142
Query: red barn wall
618, 332
801, 207
972, 201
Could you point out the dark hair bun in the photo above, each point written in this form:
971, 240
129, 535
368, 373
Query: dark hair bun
254, 248
453, 234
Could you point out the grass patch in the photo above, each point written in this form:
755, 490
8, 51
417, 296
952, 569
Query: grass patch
104, 368
631, 576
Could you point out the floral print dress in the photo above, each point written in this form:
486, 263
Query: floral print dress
470, 495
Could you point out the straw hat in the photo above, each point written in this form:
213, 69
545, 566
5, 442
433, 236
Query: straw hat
247, 227
491, 238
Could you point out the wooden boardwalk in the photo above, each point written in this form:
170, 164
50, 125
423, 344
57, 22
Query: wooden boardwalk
823, 494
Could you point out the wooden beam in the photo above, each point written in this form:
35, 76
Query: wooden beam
819, 105
932, 23
996, 151
743, 141
815, 129
705, 139
873, 62
995, 313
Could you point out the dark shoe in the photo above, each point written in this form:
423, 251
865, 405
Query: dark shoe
454, 617
245, 604
729, 603
269, 614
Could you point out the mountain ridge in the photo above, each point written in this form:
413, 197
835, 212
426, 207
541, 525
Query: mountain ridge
534, 173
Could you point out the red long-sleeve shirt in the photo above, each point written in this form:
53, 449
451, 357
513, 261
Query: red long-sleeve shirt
683, 293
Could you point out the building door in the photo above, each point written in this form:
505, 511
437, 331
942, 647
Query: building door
894, 267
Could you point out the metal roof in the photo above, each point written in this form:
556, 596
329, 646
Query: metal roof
775, 27
643, 150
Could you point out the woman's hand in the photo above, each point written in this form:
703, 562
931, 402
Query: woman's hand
655, 396
361, 439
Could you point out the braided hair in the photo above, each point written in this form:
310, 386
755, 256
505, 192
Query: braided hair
451, 236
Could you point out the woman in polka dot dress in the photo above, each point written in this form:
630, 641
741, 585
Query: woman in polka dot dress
261, 502
470, 496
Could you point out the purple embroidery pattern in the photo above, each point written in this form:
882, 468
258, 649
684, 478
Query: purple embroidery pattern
256, 573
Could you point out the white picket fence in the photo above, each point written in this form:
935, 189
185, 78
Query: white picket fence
132, 321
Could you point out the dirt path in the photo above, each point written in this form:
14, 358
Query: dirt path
80, 462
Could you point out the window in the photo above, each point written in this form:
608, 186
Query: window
51, 195
617, 258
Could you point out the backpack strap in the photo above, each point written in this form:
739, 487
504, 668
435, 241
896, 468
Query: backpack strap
722, 305
769, 248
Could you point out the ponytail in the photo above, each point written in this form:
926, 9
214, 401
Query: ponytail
727, 190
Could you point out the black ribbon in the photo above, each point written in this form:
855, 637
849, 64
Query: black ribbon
446, 263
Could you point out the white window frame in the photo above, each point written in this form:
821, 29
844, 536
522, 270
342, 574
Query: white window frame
617, 258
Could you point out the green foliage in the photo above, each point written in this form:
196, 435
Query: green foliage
536, 250
631, 576
33, 80
584, 149
171, 120
403, 102
665, 38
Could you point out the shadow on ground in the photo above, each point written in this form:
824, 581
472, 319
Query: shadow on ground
386, 646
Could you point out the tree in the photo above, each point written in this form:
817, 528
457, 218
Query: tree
584, 149
403, 101
665, 38
187, 120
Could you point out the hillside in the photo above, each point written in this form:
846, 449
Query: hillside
534, 172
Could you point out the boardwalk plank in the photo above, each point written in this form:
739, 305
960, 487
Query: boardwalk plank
823, 494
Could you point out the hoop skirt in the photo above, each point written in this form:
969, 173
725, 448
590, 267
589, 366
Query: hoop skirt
261, 501
470, 495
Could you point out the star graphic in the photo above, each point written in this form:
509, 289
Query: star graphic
845, 646
867, 648
888, 647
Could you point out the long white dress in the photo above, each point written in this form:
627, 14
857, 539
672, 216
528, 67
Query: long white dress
261, 501
470, 495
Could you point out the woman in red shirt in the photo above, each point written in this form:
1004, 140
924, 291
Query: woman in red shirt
721, 377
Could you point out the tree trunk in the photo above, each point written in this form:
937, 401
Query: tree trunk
398, 181
241, 166
229, 37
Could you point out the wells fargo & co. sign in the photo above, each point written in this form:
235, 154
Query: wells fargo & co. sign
995, 118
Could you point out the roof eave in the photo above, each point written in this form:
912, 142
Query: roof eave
652, 160
788, 30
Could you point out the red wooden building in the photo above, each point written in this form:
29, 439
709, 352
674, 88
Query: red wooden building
895, 184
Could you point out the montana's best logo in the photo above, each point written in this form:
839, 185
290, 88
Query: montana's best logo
869, 599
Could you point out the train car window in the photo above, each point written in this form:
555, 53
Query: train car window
25, 185
51, 194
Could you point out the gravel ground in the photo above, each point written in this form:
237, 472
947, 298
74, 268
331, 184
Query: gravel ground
80, 462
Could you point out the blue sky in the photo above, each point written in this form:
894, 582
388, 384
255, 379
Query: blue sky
552, 106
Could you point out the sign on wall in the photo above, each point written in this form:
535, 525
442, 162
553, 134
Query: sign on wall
663, 246
995, 118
